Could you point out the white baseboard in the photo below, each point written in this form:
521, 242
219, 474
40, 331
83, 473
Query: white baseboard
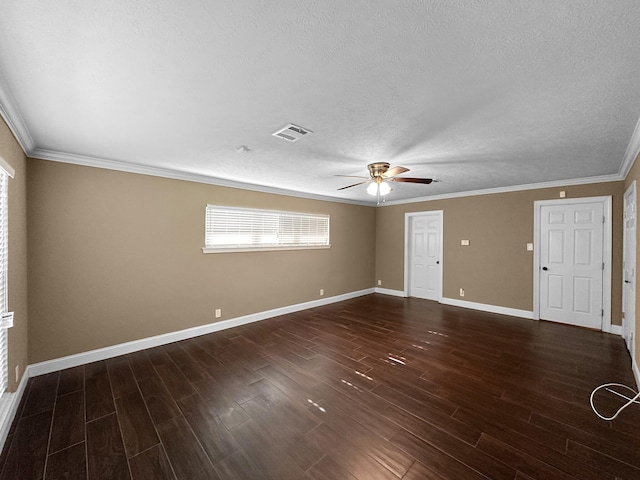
9, 407
386, 291
472, 305
8, 410
513, 312
615, 329
150, 342
9, 403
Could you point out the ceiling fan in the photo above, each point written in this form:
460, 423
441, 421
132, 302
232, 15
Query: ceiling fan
381, 173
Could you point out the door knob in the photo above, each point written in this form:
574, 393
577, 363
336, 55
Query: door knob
545, 268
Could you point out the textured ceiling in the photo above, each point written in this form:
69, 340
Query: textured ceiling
478, 94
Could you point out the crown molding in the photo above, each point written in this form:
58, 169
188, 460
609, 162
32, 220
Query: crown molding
515, 188
633, 149
11, 115
95, 162
87, 161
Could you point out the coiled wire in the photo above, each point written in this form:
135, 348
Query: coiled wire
607, 386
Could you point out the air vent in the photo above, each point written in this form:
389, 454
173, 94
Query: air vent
291, 133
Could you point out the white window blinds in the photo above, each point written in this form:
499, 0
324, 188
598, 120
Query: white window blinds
8, 322
242, 229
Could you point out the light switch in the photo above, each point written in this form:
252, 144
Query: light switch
464, 242
563, 194
529, 247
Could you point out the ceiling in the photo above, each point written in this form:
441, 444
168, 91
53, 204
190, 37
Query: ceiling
480, 94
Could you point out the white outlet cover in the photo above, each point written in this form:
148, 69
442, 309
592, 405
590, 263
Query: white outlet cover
464, 242
529, 247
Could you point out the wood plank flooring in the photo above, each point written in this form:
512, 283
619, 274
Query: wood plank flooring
376, 387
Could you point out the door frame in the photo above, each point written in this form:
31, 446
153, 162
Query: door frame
629, 322
407, 246
606, 254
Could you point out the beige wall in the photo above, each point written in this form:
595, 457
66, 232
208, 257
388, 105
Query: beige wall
634, 175
115, 257
12, 153
495, 269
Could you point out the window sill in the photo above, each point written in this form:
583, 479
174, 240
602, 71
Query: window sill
262, 249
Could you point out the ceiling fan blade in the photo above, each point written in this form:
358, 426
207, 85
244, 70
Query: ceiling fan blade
354, 185
351, 176
393, 171
411, 180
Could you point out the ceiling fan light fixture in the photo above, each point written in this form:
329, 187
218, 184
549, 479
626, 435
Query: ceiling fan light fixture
378, 188
381, 174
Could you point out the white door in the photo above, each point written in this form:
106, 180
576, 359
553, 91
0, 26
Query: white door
425, 267
629, 269
571, 261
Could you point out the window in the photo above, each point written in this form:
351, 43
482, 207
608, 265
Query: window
244, 229
6, 321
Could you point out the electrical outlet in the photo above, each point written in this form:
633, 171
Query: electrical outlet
462, 292
218, 312
464, 243
321, 292
379, 282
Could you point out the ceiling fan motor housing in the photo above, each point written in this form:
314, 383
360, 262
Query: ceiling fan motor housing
378, 168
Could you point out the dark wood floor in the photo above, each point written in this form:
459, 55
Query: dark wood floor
372, 388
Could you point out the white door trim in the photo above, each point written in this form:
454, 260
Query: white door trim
629, 322
606, 254
407, 245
